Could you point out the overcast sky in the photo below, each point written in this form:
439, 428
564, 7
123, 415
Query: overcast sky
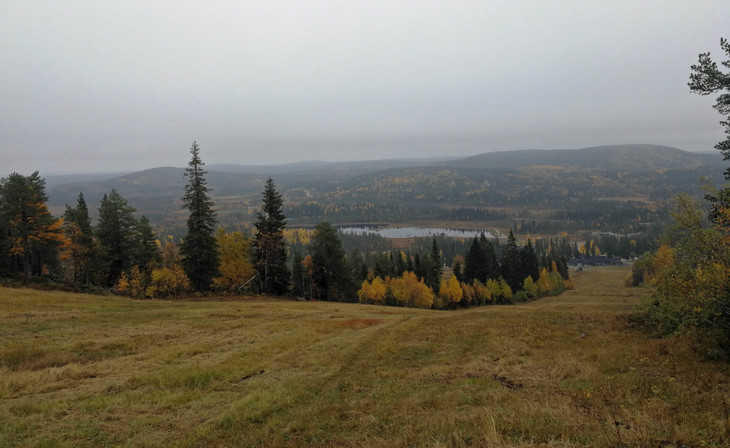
124, 85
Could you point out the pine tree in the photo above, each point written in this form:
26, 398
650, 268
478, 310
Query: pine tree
199, 248
269, 246
706, 78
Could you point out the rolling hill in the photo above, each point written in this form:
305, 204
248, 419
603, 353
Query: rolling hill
612, 188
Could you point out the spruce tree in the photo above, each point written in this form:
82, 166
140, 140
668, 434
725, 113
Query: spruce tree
199, 248
146, 254
432, 268
77, 224
116, 232
529, 265
297, 276
475, 263
270, 251
331, 270
511, 271
491, 264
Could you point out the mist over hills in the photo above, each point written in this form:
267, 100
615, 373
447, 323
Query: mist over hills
536, 184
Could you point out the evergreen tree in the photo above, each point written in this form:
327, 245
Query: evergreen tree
491, 264
510, 263
270, 251
82, 245
432, 267
31, 232
331, 270
298, 276
146, 254
199, 248
475, 263
529, 265
116, 232
457, 271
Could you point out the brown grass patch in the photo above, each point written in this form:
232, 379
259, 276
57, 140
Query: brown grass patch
91, 371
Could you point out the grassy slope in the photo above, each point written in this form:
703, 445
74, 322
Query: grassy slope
94, 371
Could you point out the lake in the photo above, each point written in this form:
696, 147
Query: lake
409, 232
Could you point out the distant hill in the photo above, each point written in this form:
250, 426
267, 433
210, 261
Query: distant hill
617, 187
615, 157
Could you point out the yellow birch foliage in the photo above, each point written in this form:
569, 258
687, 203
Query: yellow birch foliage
409, 291
455, 291
482, 294
168, 282
505, 290
372, 291
468, 294
234, 249
529, 286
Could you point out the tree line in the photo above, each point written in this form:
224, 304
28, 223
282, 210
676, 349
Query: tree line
123, 254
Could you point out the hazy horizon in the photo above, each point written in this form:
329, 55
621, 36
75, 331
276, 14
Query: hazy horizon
119, 87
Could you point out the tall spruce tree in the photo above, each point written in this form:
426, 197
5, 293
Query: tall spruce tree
270, 251
77, 224
510, 263
116, 232
199, 248
529, 265
332, 275
491, 264
475, 263
146, 255
432, 271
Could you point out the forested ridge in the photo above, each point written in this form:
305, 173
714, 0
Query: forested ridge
617, 188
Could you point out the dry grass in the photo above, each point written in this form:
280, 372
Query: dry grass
79, 370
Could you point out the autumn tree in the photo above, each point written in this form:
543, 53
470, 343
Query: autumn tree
170, 279
32, 234
690, 275
410, 291
269, 247
199, 249
116, 232
372, 291
450, 293
235, 268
